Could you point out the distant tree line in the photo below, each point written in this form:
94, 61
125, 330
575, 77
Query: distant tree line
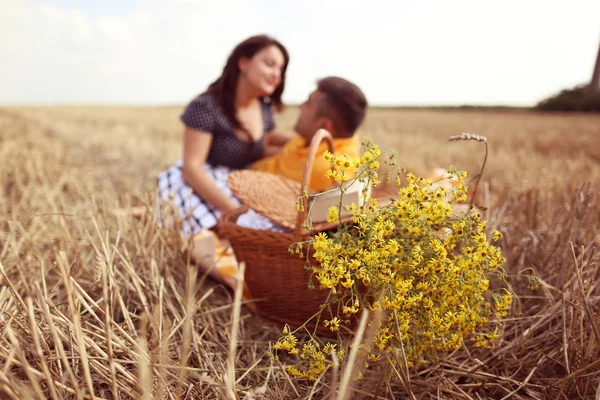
581, 98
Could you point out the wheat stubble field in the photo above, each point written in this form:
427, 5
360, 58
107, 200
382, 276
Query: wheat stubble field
97, 304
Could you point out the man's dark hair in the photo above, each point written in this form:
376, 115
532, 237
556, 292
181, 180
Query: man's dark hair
344, 103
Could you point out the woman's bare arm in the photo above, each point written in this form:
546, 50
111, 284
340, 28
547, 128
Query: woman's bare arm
195, 151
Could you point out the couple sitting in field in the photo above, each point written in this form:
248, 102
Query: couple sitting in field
231, 126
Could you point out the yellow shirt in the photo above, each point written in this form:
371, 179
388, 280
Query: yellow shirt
291, 160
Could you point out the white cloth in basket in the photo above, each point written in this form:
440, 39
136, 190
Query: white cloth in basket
253, 220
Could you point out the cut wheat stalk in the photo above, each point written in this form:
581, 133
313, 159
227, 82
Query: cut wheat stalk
233, 340
39, 351
352, 358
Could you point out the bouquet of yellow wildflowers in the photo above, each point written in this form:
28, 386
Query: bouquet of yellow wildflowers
426, 268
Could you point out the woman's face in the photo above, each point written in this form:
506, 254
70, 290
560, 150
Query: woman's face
263, 70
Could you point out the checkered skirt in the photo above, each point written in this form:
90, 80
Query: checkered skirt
195, 214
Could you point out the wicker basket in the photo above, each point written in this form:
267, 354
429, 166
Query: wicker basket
277, 280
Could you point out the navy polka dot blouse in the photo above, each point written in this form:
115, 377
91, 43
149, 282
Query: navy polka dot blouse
204, 114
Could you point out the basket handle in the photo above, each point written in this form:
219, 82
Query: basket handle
321, 135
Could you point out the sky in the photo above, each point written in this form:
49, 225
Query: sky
401, 52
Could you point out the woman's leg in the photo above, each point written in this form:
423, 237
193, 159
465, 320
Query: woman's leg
199, 218
203, 253
214, 257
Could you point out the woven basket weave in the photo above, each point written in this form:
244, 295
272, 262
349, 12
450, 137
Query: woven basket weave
277, 280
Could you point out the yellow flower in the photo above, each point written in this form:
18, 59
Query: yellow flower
388, 227
333, 214
427, 303
320, 241
349, 282
503, 304
392, 247
331, 175
496, 235
333, 324
353, 208
366, 158
329, 348
294, 371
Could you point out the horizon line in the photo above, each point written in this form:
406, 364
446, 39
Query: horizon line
291, 105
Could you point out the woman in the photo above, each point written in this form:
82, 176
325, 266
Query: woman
227, 127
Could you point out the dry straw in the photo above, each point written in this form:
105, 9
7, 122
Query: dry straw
145, 327
477, 138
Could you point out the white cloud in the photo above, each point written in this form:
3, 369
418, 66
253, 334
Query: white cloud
161, 53
428, 52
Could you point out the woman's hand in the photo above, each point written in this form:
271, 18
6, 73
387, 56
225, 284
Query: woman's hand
195, 151
274, 143
272, 150
277, 139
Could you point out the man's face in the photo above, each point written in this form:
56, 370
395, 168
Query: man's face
308, 122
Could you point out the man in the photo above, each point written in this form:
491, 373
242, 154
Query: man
337, 106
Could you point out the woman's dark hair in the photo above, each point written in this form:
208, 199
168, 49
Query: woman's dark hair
224, 88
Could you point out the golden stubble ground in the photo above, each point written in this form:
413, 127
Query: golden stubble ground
116, 295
